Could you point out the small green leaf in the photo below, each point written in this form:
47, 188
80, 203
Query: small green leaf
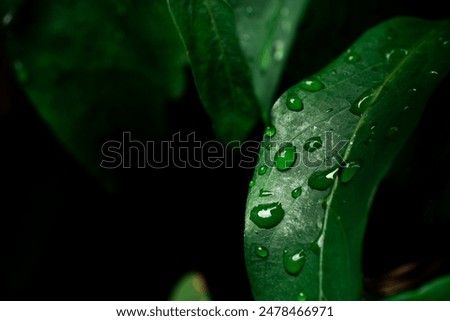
220, 69
94, 69
399, 64
436, 290
191, 287
266, 30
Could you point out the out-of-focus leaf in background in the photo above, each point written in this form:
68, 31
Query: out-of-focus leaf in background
267, 30
220, 69
93, 69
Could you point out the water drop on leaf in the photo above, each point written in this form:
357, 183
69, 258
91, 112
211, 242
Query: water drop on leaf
270, 131
311, 84
362, 103
267, 215
394, 56
262, 252
313, 144
322, 180
293, 102
352, 57
317, 245
293, 264
350, 171
262, 170
392, 131
296, 192
251, 183
285, 157
302, 296
264, 193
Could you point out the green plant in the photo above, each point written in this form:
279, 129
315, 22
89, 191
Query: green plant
359, 87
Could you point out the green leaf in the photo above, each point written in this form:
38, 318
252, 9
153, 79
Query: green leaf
266, 30
346, 136
221, 73
191, 287
436, 290
94, 69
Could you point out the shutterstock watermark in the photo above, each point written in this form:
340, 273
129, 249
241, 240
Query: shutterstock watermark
186, 151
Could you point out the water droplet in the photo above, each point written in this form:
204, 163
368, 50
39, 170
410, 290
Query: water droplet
285, 157
278, 50
329, 110
270, 131
393, 56
293, 102
302, 296
352, 57
313, 144
296, 192
7, 18
321, 180
434, 73
262, 170
444, 42
251, 183
350, 171
293, 264
412, 90
317, 245
362, 103
406, 108
267, 215
21, 72
311, 84
392, 131
262, 252
264, 193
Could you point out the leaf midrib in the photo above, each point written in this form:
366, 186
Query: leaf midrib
223, 56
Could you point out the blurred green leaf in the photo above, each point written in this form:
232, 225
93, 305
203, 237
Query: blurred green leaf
221, 73
266, 30
308, 209
191, 287
436, 290
94, 69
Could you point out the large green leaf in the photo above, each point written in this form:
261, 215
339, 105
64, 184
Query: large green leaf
308, 204
221, 73
436, 290
97, 68
266, 30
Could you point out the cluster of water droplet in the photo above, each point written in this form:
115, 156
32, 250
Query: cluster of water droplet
270, 215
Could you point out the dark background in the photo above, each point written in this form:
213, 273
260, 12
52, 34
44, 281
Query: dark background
64, 237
